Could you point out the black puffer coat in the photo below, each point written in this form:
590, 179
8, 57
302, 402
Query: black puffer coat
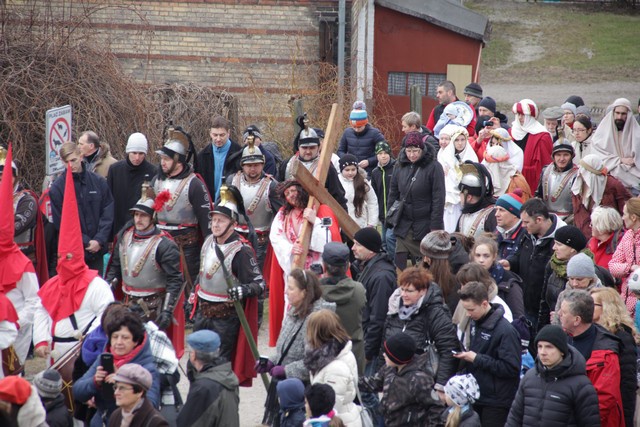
561, 396
432, 320
628, 372
424, 205
361, 144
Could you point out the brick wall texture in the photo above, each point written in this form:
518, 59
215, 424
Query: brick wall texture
261, 51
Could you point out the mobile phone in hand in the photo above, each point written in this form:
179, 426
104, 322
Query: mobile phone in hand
106, 361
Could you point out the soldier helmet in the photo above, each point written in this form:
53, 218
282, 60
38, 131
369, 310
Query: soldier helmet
476, 180
251, 154
230, 203
177, 144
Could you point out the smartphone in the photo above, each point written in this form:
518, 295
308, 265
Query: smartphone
106, 361
455, 352
264, 360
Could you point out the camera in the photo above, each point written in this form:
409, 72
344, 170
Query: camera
317, 268
487, 123
326, 221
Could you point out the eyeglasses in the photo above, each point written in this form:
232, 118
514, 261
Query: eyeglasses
575, 130
123, 388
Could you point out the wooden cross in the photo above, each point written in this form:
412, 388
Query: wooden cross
315, 186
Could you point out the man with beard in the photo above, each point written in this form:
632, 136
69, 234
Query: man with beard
446, 94
556, 181
617, 140
185, 215
147, 262
95, 205
214, 301
308, 154
478, 204
125, 178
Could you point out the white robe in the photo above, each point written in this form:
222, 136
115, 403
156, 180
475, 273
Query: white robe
95, 300
452, 176
26, 301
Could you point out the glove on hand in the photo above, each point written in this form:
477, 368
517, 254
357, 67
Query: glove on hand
237, 293
163, 321
263, 368
278, 372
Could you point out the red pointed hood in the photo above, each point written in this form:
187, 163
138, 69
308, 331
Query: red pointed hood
13, 263
63, 294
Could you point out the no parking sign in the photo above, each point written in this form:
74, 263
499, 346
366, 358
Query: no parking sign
58, 125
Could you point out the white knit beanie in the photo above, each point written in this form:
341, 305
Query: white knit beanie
137, 143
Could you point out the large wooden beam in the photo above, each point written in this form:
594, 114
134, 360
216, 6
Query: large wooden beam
328, 145
312, 186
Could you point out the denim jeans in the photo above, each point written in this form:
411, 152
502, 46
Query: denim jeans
390, 240
370, 400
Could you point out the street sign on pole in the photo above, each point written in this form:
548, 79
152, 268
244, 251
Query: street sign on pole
58, 125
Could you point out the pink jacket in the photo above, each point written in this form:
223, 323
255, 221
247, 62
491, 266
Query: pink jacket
627, 254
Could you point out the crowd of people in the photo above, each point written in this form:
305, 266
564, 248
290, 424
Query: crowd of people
492, 279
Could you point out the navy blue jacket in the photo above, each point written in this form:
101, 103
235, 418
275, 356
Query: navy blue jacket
85, 388
95, 205
362, 144
497, 363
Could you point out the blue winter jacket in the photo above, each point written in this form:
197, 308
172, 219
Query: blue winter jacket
85, 388
362, 145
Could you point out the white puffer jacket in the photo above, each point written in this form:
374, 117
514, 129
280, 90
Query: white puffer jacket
369, 216
342, 375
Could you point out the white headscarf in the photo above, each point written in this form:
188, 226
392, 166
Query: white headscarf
612, 145
516, 155
451, 164
590, 180
531, 125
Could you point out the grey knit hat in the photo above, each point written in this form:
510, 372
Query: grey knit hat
48, 383
462, 389
436, 245
581, 265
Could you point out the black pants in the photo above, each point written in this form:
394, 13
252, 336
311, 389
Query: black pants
227, 328
491, 416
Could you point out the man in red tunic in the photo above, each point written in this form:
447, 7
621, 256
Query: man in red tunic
533, 138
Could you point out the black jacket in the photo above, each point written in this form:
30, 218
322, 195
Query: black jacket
628, 372
424, 204
529, 263
205, 164
381, 182
509, 289
560, 396
57, 413
95, 206
431, 321
378, 277
509, 245
125, 181
362, 144
498, 359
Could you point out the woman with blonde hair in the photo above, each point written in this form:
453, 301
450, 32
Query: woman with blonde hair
626, 258
606, 232
329, 359
610, 312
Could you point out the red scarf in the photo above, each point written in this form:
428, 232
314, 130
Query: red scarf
118, 361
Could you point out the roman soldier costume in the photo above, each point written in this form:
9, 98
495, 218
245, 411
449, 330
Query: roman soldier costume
185, 213
147, 264
18, 281
214, 309
555, 185
74, 300
479, 217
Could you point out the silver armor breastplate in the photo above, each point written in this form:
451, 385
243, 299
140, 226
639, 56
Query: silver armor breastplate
467, 222
258, 210
213, 286
178, 210
138, 262
556, 191
311, 167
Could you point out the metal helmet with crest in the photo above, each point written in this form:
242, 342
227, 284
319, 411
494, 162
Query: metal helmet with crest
476, 180
146, 203
231, 205
251, 153
177, 144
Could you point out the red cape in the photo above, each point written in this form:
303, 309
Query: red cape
274, 278
243, 360
7, 310
537, 154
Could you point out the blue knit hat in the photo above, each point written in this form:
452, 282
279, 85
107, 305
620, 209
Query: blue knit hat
358, 118
512, 202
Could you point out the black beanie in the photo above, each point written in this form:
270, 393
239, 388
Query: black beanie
369, 238
489, 103
571, 236
348, 160
400, 348
575, 100
555, 335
